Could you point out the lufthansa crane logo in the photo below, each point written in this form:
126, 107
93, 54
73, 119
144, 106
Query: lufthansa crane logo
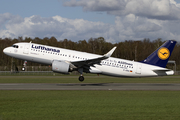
163, 53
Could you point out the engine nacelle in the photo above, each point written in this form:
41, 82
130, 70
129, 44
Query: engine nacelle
94, 70
60, 67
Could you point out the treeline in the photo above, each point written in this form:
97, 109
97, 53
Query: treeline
129, 49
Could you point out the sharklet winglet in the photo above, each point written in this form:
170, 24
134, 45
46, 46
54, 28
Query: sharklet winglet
110, 52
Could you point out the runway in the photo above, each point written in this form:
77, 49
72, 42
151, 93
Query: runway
91, 86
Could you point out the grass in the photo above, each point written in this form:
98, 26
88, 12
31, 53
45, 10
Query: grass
89, 105
88, 79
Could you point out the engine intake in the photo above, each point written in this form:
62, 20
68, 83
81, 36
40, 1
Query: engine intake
60, 67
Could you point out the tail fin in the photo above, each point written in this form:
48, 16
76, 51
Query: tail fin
161, 56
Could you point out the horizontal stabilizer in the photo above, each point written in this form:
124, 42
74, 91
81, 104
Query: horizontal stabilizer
164, 72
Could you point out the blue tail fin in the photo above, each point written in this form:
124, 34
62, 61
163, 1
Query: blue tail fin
161, 56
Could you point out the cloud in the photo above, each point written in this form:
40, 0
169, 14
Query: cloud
154, 9
128, 27
136, 28
137, 19
97, 5
61, 28
4, 17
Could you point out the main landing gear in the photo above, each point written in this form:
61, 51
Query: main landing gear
81, 78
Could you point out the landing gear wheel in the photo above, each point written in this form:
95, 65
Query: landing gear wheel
23, 68
81, 78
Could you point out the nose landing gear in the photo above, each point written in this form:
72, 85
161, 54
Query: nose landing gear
24, 66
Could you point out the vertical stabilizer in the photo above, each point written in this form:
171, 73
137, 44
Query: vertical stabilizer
161, 56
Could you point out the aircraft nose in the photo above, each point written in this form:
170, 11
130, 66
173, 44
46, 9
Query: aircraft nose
6, 51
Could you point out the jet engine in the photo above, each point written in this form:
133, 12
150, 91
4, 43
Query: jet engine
60, 67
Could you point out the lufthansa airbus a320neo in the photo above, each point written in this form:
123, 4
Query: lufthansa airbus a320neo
65, 60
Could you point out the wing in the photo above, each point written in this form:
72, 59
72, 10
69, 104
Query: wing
90, 62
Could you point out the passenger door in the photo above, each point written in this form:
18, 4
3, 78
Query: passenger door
26, 49
138, 69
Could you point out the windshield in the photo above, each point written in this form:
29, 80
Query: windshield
15, 46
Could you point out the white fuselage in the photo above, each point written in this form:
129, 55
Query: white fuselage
112, 66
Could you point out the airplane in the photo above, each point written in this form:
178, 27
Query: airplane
65, 60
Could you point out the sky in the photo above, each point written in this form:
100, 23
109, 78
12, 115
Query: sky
115, 20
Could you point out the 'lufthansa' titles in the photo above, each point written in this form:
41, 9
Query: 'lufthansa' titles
45, 48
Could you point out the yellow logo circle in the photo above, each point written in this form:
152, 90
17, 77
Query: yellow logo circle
163, 53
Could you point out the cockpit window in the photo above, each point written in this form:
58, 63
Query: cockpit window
15, 46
